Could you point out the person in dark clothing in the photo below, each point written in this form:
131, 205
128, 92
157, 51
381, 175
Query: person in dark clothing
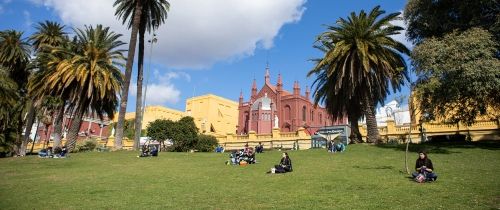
284, 166
259, 148
424, 167
154, 151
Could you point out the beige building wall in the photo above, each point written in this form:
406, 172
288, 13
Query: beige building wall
153, 113
213, 114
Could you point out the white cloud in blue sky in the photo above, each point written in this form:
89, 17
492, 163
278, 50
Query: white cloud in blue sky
197, 33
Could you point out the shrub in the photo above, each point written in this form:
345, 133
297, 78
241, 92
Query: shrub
206, 143
88, 145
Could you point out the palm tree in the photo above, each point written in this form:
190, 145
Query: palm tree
134, 23
362, 62
48, 36
154, 13
15, 57
89, 79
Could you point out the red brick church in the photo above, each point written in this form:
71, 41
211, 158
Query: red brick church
273, 107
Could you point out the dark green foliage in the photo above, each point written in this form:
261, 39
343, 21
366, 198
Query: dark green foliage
128, 128
436, 18
206, 143
86, 146
459, 76
183, 134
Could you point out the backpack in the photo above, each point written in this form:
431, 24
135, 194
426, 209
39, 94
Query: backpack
420, 178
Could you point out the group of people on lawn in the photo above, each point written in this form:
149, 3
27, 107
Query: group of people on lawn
49, 152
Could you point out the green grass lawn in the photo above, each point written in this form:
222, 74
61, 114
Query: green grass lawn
364, 177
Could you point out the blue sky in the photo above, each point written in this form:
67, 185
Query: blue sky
210, 46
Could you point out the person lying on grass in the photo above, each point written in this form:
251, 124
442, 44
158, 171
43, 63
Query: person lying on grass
284, 166
424, 170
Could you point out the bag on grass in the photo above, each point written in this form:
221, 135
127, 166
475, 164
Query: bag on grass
420, 178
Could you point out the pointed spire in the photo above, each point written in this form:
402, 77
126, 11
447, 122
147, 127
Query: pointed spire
241, 97
296, 88
267, 76
254, 88
280, 83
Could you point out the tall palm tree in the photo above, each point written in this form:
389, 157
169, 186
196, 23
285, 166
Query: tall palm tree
90, 78
15, 57
134, 23
48, 35
363, 62
154, 13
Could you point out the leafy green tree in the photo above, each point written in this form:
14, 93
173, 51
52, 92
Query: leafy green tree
161, 130
459, 76
206, 143
154, 13
14, 58
362, 62
89, 78
436, 18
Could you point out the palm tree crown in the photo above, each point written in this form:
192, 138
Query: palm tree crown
360, 64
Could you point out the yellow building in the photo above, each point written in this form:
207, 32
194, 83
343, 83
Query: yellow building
153, 113
213, 114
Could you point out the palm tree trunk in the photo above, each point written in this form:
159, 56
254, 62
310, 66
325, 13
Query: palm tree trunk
128, 74
355, 134
19, 138
74, 128
138, 101
58, 122
29, 126
371, 121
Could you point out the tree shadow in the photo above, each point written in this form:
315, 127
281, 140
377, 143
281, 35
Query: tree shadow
443, 147
375, 167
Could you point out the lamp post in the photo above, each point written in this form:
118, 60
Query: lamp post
151, 41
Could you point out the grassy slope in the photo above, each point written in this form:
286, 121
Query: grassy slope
365, 177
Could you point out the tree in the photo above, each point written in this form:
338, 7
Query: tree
436, 18
48, 35
14, 58
362, 62
185, 135
134, 23
161, 130
206, 143
348, 106
154, 13
459, 76
89, 79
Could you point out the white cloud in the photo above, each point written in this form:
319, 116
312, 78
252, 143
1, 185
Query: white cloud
197, 33
402, 36
161, 90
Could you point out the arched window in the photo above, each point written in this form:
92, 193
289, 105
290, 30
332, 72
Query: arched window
287, 112
312, 115
304, 113
320, 118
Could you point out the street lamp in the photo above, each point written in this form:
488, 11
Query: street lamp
151, 41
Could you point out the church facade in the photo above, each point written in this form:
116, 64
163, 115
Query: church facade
273, 107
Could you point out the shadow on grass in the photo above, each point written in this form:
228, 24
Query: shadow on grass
443, 147
375, 167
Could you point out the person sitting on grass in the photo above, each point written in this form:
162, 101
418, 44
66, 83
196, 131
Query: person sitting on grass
144, 151
340, 147
424, 170
259, 148
42, 153
154, 151
284, 166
